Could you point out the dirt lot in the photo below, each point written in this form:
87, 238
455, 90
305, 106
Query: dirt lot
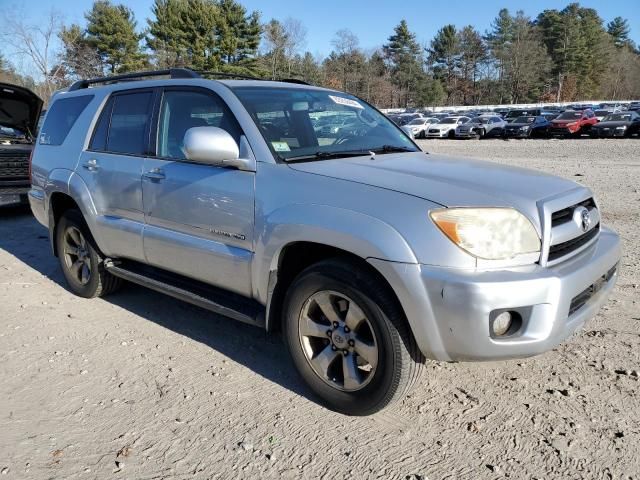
141, 386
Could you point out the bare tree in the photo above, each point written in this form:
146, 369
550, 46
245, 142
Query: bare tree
296, 40
36, 44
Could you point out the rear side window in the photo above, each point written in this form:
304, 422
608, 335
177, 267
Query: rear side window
61, 117
128, 129
99, 138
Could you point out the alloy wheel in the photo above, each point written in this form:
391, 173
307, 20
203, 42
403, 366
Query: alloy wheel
338, 340
76, 255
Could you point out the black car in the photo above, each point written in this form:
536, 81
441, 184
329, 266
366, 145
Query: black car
522, 112
622, 124
531, 126
19, 114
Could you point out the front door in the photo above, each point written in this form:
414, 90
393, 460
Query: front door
112, 169
199, 218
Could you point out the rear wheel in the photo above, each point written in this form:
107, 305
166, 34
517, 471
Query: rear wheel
348, 338
79, 258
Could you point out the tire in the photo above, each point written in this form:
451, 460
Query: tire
375, 381
76, 246
452, 134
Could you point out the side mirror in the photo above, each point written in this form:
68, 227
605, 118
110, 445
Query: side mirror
214, 146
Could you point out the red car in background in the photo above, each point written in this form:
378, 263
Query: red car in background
572, 122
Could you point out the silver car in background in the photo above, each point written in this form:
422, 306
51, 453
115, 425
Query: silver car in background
481, 127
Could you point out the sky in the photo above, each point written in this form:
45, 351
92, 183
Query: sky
371, 20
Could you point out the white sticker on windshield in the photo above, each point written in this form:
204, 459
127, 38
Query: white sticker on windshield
281, 146
345, 101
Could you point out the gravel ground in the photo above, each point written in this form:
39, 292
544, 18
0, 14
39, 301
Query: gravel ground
139, 385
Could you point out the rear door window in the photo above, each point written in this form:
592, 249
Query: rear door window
61, 117
129, 127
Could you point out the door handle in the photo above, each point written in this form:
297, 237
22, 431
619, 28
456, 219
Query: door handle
91, 165
154, 174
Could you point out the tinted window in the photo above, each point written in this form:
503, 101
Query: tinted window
182, 110
61, 117
129, 121
99, 139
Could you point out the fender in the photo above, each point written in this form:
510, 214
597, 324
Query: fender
355, 232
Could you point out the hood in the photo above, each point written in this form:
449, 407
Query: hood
19, 108
513, 126
447, 181
564, 122
613, 124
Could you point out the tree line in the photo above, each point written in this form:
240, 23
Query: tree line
560, 55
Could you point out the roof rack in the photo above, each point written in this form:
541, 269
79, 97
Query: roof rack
173, 73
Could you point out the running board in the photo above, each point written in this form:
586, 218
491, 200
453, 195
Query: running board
197, 293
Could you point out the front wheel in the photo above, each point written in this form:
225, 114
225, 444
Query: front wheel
79, 258
348, 338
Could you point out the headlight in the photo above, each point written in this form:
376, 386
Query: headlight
488, 233
525, 128
621, 127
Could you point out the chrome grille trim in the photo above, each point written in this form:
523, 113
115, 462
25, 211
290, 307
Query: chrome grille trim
558, 227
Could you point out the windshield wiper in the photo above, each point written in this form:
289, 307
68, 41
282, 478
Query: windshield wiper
328, 155
392, 149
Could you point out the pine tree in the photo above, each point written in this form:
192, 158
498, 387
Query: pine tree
618, 28
79, 58
473, 54
166, 35
238, 35
111, 30
444, 57
498, 40
403, 54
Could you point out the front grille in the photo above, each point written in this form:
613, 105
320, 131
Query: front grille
565, 248
434, 131
566, 214
14, 165
583, 297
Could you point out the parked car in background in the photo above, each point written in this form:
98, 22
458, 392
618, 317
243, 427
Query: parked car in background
634, 106
417, 128
481, 127
19, 114
446, 128
600, 114
366, 253
527, 127
520, 112
572, 122
621, 124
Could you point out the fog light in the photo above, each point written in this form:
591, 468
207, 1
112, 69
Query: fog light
501, 324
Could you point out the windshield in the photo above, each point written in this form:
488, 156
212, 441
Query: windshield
570, 116
12, 133
617, 117
525, 120
602, 113
417, 121
299, 123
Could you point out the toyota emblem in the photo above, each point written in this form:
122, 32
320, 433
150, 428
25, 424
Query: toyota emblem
583, 218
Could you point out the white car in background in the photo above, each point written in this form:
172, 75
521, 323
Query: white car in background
446, 127
418, 127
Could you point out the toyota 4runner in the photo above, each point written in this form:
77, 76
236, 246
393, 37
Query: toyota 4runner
367, 253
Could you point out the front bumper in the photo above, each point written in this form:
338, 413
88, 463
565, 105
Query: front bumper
607, 132
11, 195
516, 133
438, 134
449, 309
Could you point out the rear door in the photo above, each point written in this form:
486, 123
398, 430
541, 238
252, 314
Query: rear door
112, 169
199, 218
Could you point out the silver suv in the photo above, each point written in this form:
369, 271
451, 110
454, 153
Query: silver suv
367, 253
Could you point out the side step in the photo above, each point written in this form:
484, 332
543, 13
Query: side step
197, 293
